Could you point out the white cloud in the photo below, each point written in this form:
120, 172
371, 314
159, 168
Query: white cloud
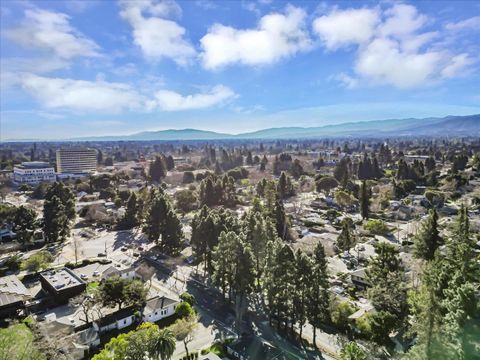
125, 70
35, 65
109, 97
401, 20
156, 36
472, 23
346, 27
167, 100
206, 4
276, 36
456, 65
80, 94
392, 47
346, 80
382, 61
51, 31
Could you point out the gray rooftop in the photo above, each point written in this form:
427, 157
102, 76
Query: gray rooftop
12, 290
61, 279
158, 303
34, 165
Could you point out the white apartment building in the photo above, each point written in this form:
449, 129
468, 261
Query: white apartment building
33, 172
76, 160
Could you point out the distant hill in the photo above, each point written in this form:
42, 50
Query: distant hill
450, 125
447, 126
185, 134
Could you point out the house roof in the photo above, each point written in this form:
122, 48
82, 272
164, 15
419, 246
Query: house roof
210, 356
359, 272
360, 312
115, 316
110, 271
145, 271
158, 303
12, 290
113, 271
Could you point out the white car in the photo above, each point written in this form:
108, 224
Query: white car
84, 276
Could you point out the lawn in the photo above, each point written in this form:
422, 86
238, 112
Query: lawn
16, 343
92, 286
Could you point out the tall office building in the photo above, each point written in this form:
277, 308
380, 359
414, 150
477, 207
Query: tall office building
76, 160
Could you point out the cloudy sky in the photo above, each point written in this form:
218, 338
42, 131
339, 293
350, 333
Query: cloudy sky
77, 68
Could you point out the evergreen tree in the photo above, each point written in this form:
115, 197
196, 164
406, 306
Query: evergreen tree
364, 200
58, 212
55, 221
280, 218
157, 169
162, 222
131, 217
296, 169
281, 289
318, 301
346, 239
24, 224
258, 231
249, 160
385, 273
303, 285
282, 186
341, 169
169, 163
234, 268
428, 239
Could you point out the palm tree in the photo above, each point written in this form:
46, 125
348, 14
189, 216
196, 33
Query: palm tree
164, 345
352, 351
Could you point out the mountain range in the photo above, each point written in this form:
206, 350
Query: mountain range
447, 126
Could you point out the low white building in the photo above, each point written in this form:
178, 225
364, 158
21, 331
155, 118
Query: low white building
126, 273
158, 308
33, 172
115, 321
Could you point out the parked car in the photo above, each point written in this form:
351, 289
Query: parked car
96, 273
123, 248
102, 255
84, 276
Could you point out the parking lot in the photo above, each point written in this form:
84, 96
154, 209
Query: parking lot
121, 246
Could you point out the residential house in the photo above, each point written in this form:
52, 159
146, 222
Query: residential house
127, 273
13, 295
158, 308
116, 320
359, 278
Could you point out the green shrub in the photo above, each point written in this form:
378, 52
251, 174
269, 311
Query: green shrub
38, 261
184, 309
376, 227
187, 297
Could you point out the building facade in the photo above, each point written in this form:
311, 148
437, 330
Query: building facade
33, 172
76, 160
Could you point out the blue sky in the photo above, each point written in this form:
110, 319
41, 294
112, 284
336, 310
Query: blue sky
80, 68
